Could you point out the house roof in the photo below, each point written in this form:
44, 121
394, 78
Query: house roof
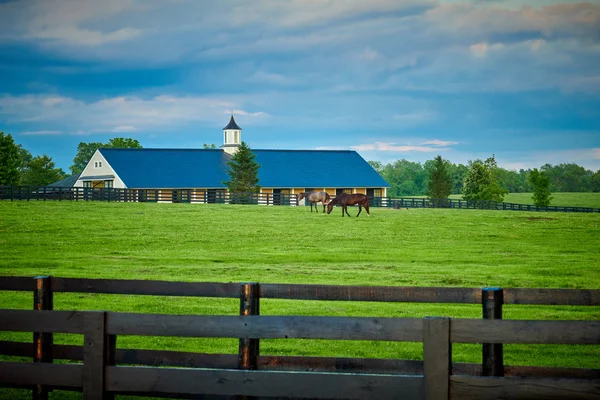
207, 168
67, 182
232, 125
169, 168
316, 169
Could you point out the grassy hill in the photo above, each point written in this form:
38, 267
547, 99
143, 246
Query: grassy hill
227, 243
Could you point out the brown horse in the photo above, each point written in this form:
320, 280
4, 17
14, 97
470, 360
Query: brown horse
346, 200
314, 198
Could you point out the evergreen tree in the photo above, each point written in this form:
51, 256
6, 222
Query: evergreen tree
243, 172
440, 182
482, 182
10, 161
541, 188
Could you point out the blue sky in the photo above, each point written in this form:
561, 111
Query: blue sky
391, 79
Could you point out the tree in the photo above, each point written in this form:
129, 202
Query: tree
10, 161
541, 188
482, 183
85, 151
209, 146
24, 157
41, 171
595, 181
123, 143
243, 171
406, 178
440, 182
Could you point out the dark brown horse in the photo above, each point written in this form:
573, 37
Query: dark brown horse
346, 200
314, 198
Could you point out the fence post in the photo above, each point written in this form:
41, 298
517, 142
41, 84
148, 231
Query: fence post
96, 356
437, 357
42, 342
249, 305
492, 357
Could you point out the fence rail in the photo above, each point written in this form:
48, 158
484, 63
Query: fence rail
160, 372
43, 193
408, 294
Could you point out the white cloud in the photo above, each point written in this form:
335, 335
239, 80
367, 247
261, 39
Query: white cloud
125, 128
78, 36
73, 22
369, 54
119, 114
588, 158
271, 78
42, 132
393, 147
436, 142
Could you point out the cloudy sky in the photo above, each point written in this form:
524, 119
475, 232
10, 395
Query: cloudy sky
391, 79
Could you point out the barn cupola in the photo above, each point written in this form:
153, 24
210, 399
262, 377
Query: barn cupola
232, 136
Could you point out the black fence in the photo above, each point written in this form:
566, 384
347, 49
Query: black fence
43, 193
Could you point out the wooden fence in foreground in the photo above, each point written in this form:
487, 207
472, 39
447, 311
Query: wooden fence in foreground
106, 370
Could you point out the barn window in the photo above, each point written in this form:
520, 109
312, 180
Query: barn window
87, 184
236, 138
98, 164
108, 184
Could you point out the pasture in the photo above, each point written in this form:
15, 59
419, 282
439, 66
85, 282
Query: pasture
562, 199
231, 243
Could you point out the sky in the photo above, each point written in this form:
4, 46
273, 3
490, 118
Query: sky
391, 79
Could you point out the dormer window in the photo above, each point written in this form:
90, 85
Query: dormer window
98, 164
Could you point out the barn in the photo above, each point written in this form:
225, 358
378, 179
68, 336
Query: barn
200, 173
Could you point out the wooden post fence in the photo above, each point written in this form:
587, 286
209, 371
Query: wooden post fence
42, 341
249, 305
492, 356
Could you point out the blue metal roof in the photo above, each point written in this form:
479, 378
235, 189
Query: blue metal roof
169, 168
207, 168
315, 169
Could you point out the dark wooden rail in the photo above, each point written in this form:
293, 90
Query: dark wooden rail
43, 193
250, 327
98, 379
408, 294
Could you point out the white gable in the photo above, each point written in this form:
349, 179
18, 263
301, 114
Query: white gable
98, 169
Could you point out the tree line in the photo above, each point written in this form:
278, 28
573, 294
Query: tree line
409, 178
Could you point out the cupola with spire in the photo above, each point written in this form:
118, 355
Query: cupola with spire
232, 136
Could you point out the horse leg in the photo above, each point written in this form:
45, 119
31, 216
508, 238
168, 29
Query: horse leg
359, 209
323, 205
367, 208
310, 202
316, 206
346, 210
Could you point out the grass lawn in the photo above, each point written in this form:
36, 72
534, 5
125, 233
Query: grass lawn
558, 199
228, 243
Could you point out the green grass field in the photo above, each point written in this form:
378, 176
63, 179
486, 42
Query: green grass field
558, 199
228, 243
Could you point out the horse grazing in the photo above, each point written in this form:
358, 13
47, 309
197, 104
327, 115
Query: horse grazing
314, 198
346, 200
